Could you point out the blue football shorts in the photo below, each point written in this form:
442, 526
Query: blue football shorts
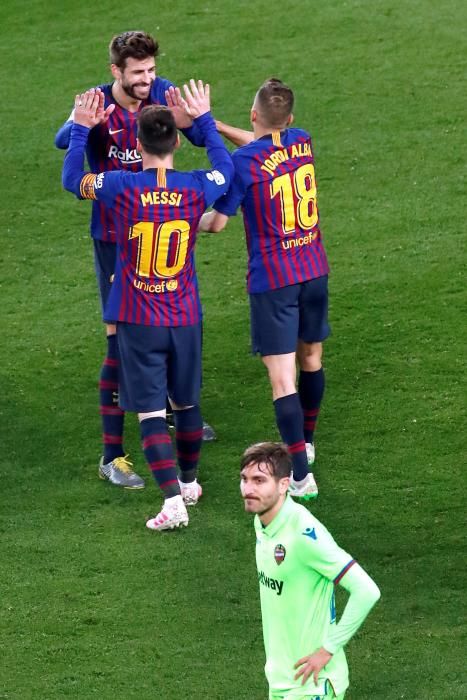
280, 317
156, 361
105, 257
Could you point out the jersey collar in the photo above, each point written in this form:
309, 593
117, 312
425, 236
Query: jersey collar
280, 519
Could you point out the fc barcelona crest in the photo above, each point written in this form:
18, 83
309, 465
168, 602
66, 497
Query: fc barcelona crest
279, 553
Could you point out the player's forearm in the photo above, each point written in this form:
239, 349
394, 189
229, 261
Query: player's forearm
212, 222
239, 137
73, 165
364, 593
194, 135
62, 137
217, 153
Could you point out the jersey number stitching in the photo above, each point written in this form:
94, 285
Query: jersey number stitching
154, 244
297, 192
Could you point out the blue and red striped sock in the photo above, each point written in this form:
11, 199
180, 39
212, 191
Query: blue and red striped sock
189, 436
311, 391
112, 415
158, 450
289, 419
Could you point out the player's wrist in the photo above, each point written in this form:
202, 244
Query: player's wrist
79, 135
330, 647
79, 126
205, 117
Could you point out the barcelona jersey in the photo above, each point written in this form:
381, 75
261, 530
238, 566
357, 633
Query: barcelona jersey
156, 214
275, 185
112, 146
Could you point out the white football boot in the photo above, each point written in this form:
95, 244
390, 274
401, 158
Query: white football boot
306, 488
173, 514
310, 453
191, 493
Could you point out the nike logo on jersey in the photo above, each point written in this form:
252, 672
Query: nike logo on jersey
273, 583
115, 131
310, 532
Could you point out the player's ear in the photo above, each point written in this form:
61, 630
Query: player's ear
139, 148
177, 142
116, 72
290, 120
253, 116
284, 484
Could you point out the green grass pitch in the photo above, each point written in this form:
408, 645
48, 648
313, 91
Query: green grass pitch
92, 605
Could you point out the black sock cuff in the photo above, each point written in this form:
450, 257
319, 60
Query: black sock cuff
286, 401
188, 417
112, 345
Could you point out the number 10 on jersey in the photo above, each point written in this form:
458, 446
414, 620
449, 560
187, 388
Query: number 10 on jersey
154, 244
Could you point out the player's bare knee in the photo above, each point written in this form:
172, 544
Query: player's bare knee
281, 371
282, 385
309, 356
152, 414
177, 407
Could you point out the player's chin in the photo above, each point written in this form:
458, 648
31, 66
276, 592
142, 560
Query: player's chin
252, 505
142, 92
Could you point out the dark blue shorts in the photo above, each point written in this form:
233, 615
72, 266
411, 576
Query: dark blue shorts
280, 317
105, 257
156, 362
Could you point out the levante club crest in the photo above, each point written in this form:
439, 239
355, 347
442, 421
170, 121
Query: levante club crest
279, 554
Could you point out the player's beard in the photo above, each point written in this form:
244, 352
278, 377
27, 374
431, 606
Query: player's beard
131, 90
261, 506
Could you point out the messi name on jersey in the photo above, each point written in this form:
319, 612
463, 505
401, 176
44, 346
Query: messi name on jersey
174, 199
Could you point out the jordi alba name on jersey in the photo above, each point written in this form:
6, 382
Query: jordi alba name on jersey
156, 214
275, 185
112, 146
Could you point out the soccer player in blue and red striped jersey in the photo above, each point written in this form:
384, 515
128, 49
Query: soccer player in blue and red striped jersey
287, 278
112, 146
154, 297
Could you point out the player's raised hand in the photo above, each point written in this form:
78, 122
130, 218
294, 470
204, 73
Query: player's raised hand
312, 664
103, 113
197, 98
89, 108
178, 107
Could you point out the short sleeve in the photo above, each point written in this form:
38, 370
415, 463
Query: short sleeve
318, 550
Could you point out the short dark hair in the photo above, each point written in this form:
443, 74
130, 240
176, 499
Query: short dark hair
274, 455
274, 102
157, 131
137, 45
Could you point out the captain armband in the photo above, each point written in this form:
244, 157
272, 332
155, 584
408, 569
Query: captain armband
88, 186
